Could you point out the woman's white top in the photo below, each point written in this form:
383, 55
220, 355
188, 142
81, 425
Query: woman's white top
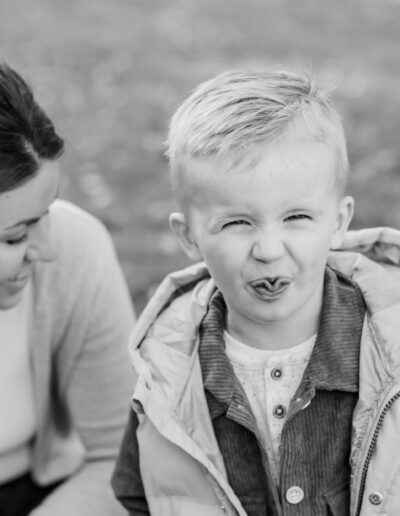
270, 379
17, 411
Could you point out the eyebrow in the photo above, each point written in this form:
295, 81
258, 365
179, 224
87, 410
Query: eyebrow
33, 220
316, 211
25, 222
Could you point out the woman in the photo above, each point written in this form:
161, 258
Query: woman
65, 316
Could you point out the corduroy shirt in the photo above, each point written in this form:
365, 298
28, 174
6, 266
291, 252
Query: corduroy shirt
316, 436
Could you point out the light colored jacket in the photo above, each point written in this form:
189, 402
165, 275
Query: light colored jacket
80, 328
181, 466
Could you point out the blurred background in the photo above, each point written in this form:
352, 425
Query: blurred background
110, 73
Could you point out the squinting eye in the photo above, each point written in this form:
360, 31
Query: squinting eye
238, 222
298, 216
16, 241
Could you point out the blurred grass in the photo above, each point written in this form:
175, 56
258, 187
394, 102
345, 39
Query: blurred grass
111, 73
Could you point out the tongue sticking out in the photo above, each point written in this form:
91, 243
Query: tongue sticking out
271, 285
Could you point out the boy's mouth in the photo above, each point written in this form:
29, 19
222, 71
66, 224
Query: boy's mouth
271, 286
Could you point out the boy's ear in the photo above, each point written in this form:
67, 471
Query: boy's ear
179, 225
345, 214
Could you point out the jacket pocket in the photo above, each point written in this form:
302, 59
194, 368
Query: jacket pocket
338, 500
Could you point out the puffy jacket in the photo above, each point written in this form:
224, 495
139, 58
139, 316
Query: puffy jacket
181, 466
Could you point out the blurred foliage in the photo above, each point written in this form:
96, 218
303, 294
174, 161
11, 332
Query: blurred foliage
111, 72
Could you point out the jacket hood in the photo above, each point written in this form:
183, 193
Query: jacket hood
379, 244
171, 291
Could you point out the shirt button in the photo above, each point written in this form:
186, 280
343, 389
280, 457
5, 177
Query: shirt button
375, 498
279, 411
276, 373
294, 495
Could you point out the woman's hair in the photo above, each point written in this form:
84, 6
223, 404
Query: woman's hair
27, 135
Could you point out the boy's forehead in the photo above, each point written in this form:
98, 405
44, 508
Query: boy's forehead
207, 178
208, 170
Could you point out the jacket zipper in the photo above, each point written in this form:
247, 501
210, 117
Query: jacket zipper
371, 450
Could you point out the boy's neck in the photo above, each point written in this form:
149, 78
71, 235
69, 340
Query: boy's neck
276, 335
273, 338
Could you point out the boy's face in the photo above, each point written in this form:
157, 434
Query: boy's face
265, 233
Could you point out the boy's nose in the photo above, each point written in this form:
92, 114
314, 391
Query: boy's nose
268, 246
40, 248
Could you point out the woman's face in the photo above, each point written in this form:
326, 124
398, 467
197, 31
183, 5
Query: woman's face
24, 231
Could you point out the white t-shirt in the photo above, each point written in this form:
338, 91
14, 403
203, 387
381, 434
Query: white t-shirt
17, 410
270, 379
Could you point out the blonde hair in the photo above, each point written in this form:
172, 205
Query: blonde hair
237, 113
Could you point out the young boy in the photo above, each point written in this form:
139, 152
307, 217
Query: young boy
268, 375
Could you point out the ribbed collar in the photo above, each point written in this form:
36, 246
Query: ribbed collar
334, 362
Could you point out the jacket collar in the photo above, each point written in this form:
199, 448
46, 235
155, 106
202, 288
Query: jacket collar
334, 362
